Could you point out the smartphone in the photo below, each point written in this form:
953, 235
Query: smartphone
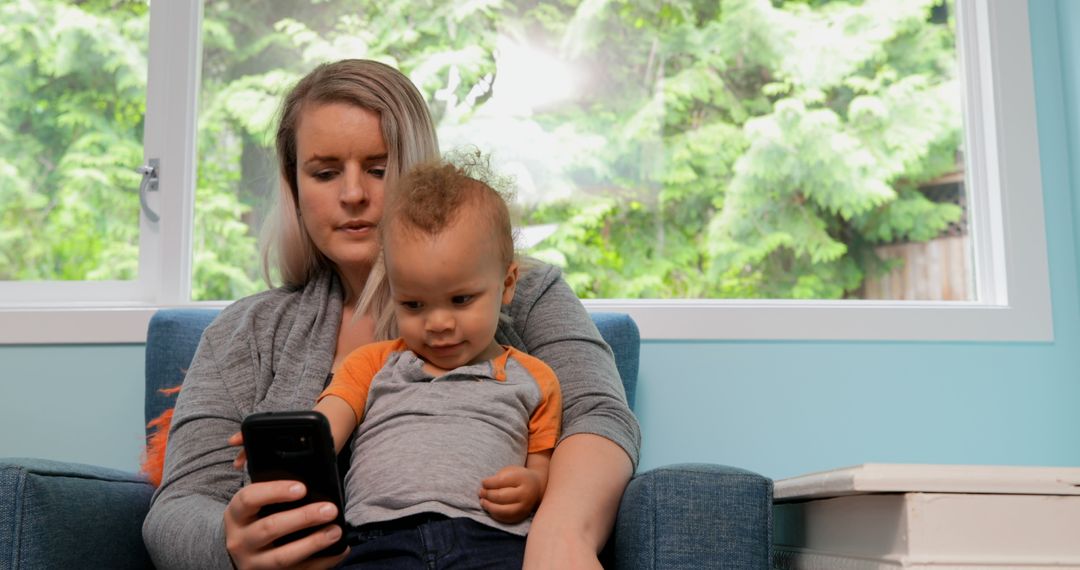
295, 446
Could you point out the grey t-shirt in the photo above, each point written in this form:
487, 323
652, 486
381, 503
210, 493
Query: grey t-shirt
274, 351
425, 442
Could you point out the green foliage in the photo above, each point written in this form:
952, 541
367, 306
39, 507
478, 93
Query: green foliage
733, 148
72, 83
782, 142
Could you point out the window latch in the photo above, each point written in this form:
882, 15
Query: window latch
149, 183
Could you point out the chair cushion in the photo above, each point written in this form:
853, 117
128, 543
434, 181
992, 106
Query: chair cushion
171, 340
621, 333
46, 507
695, 515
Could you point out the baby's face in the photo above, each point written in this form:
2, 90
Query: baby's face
447, 292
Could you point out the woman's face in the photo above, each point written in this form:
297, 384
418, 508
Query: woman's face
341, 163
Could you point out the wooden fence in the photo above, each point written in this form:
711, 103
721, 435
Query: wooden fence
937, 270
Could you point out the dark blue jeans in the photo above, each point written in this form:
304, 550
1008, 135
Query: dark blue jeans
431, 542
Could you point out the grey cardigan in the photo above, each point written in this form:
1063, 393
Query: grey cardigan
274, 351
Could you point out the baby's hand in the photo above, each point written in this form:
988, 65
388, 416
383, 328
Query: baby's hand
511, 495
237, 439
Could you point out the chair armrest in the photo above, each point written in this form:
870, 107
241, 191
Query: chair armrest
67, 515
695, 516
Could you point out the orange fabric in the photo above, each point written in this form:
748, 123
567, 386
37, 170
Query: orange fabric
353, 381
153, 464
546, 419
498, 364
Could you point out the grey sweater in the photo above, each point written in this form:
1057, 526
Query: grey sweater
274, 351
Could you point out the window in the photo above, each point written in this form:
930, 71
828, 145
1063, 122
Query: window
669, 162
71, 129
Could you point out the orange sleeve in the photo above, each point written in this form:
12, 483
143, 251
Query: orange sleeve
353, 380
546, 420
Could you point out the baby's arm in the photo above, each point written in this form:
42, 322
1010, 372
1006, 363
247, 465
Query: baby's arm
341, 416
344, 399
337, 411
512, 494
351, 382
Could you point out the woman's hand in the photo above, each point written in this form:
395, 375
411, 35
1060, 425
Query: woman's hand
249, 538
237, 440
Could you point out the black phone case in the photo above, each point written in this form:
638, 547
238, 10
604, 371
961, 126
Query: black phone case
295, 446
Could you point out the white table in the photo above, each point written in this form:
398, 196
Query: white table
929, 517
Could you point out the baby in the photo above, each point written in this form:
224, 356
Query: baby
452, 432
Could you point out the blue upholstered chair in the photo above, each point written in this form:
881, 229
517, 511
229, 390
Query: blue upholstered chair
64, 515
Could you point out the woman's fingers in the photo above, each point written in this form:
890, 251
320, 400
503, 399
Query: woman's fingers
298, 553
236, 440
242, 540
284, 523
249, 538
246, 503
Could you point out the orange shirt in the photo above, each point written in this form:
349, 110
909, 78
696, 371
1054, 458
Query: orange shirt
424, 443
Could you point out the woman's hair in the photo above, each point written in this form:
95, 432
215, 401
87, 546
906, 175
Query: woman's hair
407, 131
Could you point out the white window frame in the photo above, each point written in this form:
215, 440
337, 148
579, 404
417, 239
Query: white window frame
1007, 221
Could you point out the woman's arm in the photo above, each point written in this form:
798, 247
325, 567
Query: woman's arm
202, 512
185, 525
593, 463
341, 416
551, 324
586, 479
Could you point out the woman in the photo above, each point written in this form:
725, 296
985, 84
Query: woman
347, 129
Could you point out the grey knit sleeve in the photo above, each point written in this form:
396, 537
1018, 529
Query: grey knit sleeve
270, 351
185, 525
555, 327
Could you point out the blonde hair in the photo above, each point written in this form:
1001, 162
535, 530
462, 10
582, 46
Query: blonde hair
407, 131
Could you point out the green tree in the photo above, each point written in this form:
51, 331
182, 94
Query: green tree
732, 148
788, 139
72, 85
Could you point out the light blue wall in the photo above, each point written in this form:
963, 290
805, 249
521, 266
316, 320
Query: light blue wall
72, 403
780, 408
784, 408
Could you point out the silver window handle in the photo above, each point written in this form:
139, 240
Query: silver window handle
149, 183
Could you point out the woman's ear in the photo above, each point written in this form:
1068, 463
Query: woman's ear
510, 283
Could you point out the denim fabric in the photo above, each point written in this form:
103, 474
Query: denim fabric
63, 515
695, 516
171, 340
426, 543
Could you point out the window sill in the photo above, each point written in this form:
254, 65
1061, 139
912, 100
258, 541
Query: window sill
84, 323
657, 319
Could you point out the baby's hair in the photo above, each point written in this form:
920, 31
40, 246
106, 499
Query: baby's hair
464, 177
433, 196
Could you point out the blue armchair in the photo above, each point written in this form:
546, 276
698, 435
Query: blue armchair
60, 515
